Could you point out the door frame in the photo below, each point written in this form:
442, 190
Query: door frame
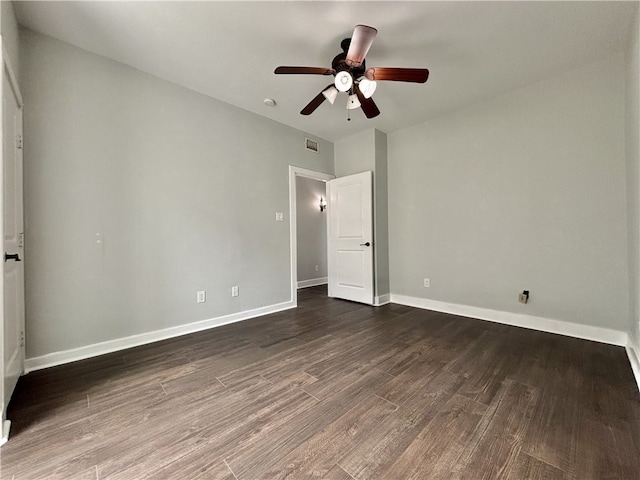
5, 424
295, 172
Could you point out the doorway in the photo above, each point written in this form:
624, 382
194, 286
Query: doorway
296, 173
311, 232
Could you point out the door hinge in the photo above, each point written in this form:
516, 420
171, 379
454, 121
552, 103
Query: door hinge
22, 338
21, 239
19, 141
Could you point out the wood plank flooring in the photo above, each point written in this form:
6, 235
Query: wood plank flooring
334, 390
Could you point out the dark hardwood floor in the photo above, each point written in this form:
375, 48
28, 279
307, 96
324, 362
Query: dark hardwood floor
334, 390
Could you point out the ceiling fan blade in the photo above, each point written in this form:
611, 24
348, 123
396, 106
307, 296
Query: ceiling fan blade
361, 41
369, 107
304, 70
416, 75
315, 103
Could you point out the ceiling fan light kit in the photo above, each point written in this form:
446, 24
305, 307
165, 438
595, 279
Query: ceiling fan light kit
343, 81
353, 102
330, 94
350, 64
367, 87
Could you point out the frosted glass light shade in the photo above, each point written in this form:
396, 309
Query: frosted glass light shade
353, 102
343, 81
367, 87
330, 94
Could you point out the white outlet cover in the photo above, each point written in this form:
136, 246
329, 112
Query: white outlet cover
279, 216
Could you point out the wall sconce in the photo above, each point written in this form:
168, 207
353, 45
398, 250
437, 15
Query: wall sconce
323, 204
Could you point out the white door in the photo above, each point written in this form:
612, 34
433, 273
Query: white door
351, 238
13, 288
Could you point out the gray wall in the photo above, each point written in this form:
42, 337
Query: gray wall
355, 153
633, 174
525, 191
311, 229
9, 28
180, 190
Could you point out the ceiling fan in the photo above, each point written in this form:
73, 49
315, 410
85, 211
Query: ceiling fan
352, 76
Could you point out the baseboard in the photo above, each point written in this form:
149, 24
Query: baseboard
381, 300
634, 360
313, 282
587, 332
88, 351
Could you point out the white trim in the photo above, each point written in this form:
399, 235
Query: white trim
88, 351
634, 360
312, 282
380, 300
293, 241
3, 401
587, 332
6, 426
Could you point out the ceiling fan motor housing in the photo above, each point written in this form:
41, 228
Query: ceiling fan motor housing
339, 63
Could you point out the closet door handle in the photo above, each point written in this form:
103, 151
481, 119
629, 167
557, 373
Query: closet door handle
365, 244
12, 256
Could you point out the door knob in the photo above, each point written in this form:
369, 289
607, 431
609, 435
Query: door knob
365, 244
12, 256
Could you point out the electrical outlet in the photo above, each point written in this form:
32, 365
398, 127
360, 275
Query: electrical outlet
235, 291
279, 216
427, 283
316, 267
524, 296
201, 296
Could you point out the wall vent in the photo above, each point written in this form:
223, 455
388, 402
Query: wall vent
311, 145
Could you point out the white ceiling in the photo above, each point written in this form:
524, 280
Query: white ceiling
228, 50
